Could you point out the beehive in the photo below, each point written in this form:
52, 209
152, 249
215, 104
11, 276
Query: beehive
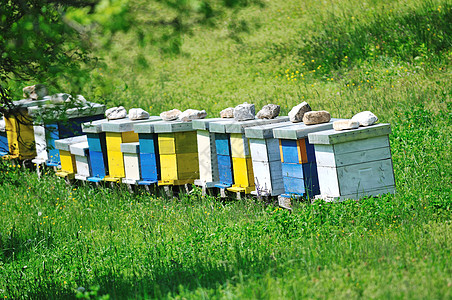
80, 151
266, 159
60, 123
233, 153
354, 163
97, 149
3, 138
298, 162
178, 152
118, 132
131, 153
207, 153
68, 163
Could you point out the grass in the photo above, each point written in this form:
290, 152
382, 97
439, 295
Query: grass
392, 58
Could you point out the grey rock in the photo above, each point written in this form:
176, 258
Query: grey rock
227, 113
170, 115
345, 125
365, 118
245, 111
35, 92
297, 112
192, 114
138, 114
269, 111
115, 113
316, 117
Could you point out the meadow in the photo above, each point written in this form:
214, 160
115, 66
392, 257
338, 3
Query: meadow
390, 57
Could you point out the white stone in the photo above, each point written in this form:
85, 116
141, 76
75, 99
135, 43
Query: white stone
192, 114
297, 112
345, 125
35, 92
138, 114
365, 118
227, 113
115, 113
269, 111
2, 124
316, 117
170, 115
243, 112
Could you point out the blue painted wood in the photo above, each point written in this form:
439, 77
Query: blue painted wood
289, 151
292, 170
294, 185
310, 151
222, 144
94, 141
73, 127
148, 142
312, 186
309, 170
225, 169
150, 167
98, 162
51, 136
3, 143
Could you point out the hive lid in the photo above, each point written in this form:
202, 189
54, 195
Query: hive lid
329, 137
125, 125
300, 130
57, 110
204, 124
93, 126
80, 149
264, 131
130, 147
64, 144
239, 126
173, 126
146, 127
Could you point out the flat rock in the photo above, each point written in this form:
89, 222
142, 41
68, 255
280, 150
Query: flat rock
316, 117
170, 115
269, 111
297, 112
192, 114
345, 125
227, 113
115, 113
365, 118
138, 114
245, 111
35, 92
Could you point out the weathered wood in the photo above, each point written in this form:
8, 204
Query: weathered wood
40, 142
64, 144
208, 164
125, 125
300, 130
329, 137
130, 147
204, 124
173, 126
265, 131
239, 126
239, 145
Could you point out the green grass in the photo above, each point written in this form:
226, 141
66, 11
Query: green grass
390, 57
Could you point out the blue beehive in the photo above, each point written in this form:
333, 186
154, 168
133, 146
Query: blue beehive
97, 149
3, 138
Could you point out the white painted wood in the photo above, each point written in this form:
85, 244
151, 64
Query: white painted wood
82, 164
41, 143
55, 110
326, 158
268, 177
132, 166
93, 126
64, 144
208, 164
80, 149
265, 150
328, 181
335, 137
133, 148
356, 196
264, 131
366, 176
361, 145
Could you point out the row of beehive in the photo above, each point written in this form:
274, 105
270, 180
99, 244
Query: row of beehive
263, 157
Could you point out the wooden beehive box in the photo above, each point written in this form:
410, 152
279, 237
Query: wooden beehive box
131, 152
97, 149
68, 164
266, 159
3, 138
149, 153
298, 162
207, 152
67, 123
233, 153
80, 151
354, 163
178, 152
118, 132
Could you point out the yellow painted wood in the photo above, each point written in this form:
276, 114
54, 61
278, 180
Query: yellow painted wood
167, 143
281, 152
187, 166
114, 140
116, 164
175, 182
20, 134
186, 142
240, 146
168, 163
243, 171
129, 137
67, 162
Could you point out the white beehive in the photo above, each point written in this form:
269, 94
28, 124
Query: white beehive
81, 155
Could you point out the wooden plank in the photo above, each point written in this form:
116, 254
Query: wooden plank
148, 142
375, 192
113, 141
186, 142
208, 165
366, 176
204, 124
239, 126
187, 163
67, 162
239, 145
124, 125
64, 144
362, 144
264, 131
346, 159
97, 142
259, 150
222, 144
168, 164
132, 166
147, 127
57, 111
82, 165
40, 142
300, 130
149, 163
268, 177
93, 126
173, 126
129, 137
80, 149
167, 143
133, 148
116, 164
289, 151
331, 136
225, 173
243, 171
292, 170
20, 134
98, 164
328, 180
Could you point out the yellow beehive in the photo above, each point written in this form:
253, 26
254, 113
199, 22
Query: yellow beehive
20, 134
243, 175
68, 162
